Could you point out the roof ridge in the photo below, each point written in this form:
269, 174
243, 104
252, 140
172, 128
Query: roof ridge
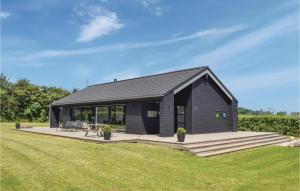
148, 76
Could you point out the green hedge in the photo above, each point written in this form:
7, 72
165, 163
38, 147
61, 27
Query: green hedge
285, 125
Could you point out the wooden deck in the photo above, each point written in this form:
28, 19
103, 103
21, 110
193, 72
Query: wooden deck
199, 144
124, 137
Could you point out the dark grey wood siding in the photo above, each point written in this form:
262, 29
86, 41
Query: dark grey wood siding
137, 121
189, 116
134, 120
54, 116
166, 123
207, 98
151, 124
66, 115
234, 106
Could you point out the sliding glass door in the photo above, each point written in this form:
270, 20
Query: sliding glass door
120, 115
112, 114
83, 114
88, 114
102, 114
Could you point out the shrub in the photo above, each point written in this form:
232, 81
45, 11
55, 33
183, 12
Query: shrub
107, 129
285, 125
180, 130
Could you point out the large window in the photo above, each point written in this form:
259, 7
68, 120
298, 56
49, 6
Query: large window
82, 114
87, 115
76, 114
120, 114
103, 114
113, 114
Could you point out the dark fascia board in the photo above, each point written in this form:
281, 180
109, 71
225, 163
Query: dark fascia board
108, 102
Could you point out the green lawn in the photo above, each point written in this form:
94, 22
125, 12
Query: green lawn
40, 162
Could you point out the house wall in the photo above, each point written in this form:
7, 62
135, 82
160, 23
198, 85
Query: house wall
66, 115
166, 120
234, 107
207, 98
137, 121
133, 118
54, 116
151, 124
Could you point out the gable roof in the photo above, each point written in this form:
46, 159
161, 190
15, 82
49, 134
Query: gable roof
137, 88
212, 76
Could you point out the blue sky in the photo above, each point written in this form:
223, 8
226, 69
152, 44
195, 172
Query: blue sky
252, 46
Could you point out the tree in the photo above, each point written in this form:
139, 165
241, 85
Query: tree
23, 100
27, 97
242, 110
295, 114
8, 103
281, 113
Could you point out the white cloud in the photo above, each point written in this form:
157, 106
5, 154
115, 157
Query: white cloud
100, 21
4, 14
158, 11
246, 42
176, 34
209, 33
152, 6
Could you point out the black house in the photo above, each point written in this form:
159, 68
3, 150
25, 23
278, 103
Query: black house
158, 104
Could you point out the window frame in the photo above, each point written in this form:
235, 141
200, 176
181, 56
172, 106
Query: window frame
220, 114
152, 113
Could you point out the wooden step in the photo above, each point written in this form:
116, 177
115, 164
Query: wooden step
229, 150
224, 142
237, 144
230, 139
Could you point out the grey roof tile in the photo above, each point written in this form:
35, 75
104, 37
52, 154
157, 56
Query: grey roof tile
142, 87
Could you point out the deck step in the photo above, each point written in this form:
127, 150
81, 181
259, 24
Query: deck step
230, 141
233, 138
236, 144
237, 148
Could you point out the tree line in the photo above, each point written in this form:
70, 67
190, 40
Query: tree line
245, 111
23, 100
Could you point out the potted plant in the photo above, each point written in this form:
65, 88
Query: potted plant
107, 132
17, 124
180, 134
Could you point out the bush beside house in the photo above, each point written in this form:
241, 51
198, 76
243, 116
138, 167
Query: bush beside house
285, 125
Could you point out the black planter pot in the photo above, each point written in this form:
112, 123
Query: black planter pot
181, 137
17, 126
107, 136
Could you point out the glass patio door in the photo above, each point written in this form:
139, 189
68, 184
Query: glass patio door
180, 116
87, 114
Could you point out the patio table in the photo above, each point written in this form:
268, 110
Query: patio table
95, 128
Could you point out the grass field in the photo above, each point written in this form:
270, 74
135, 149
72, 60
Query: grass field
40, 162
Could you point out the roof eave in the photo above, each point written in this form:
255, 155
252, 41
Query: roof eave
107, 101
